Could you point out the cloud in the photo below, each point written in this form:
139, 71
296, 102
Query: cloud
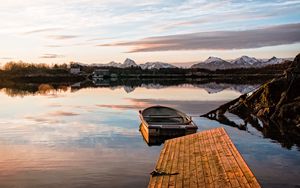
55, 105
51, 56
62, 37
41, 30
99, 39
218, 40
53, 46
6, 58
62, 113
117, 20
227, 17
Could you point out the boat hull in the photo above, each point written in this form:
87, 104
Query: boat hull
155, 134
171, 131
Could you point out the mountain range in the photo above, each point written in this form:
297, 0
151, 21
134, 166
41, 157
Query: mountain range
210, 88
130, 63
214, 63
211, 63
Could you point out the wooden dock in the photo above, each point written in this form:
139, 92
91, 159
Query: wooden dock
205, 159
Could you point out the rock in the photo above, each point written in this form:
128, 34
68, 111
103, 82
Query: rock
263, 112
295, 66
276, 104
278, 100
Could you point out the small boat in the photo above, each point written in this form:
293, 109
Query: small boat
165, 121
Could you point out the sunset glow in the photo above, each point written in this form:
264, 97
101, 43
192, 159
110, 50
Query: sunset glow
169, 31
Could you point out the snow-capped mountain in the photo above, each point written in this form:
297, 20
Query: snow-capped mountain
113, 64
213, 63
214, 60
246, 61
156, 65
129, 63
274, 60
110, 64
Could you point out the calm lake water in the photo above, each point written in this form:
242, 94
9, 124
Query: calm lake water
90, 137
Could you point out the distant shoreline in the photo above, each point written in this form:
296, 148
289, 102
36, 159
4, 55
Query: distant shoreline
28, 73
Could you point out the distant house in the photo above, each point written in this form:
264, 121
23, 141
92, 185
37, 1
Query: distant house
101, 73
75, 69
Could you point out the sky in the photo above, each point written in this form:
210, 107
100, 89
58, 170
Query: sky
172, 31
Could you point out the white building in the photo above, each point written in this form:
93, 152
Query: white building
75, 69
100, 73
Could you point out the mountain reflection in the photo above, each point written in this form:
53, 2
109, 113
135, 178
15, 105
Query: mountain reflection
272, 130
86, 135
26, 89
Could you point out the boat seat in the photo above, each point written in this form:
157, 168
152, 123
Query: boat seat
162, 116
170, 126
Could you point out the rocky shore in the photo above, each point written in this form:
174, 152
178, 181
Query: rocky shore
277, 100
273, 109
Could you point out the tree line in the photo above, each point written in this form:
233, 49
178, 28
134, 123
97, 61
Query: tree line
21, 67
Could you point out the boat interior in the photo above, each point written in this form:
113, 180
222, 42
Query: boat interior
164, 115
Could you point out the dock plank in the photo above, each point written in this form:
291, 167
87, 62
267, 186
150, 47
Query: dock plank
186, 173
237, 172
192, 163
158, 165
179, 177
199, 167
204, 159
174, 168
162, 166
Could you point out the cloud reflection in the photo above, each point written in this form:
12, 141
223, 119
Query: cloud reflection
190, 107
41, 120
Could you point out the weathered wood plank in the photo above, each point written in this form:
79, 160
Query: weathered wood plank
223, 165
179, 177
192, 164
174, 165
153, 179
231, 166
205, 159
186, 172
199, 166
167, 169
242, 164
237, 172
220, 179
162, 167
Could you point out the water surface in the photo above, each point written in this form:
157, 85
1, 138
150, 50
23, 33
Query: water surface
90, 137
